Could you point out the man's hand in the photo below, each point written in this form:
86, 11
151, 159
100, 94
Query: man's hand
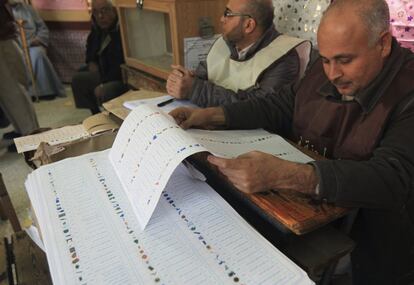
257, 171
93, 67
179, 82
34, 42
99, 93
208, 118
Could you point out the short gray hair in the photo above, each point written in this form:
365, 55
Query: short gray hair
375, 15
262, 11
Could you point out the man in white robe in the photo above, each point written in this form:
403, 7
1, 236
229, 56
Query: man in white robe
37, 35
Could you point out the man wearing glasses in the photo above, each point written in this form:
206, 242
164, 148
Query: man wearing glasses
101, 79
251, 59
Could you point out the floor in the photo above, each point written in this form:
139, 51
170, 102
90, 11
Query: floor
52, 113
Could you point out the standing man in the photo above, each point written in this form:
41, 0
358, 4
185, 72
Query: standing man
14, 100
356, 106
101, 80
251, 59
37, 36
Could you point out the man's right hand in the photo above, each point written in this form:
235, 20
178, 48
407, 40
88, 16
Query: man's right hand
209, 118
179, 82
93, 67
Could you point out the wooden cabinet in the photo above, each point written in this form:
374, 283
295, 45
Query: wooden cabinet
153, 35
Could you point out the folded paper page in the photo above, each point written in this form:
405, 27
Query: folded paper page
150, 145
147, 149
231, 143
53, 137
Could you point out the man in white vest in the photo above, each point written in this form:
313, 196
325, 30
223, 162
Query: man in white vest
251, 59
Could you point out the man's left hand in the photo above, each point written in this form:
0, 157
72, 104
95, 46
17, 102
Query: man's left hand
180, 82
257, 171
35, 42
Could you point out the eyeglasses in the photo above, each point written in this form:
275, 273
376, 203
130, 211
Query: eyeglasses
104, 11
229, 13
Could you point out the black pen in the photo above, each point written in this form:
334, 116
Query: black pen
162, 104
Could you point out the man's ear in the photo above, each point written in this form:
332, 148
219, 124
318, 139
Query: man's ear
249, 25
385, 43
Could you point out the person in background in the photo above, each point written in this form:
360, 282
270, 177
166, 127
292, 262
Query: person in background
101, 79
14, 99
355, 105
48, 84
251, 59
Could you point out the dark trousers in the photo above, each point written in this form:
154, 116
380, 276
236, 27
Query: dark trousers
84, 85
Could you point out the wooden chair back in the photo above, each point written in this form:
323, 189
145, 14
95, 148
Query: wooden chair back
7, 211
21, 260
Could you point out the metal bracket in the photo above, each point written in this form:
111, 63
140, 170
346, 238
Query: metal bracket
140, 4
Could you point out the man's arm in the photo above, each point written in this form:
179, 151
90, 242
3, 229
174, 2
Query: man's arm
383, 181
207, 94
208, 118
92, 46
273, 113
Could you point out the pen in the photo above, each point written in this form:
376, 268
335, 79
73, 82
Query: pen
162, 104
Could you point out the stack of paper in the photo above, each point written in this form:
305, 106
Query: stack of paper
93, 213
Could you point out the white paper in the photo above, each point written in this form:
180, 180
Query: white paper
231, 144
147, 149
92, 235
150, 145
196, 50
53, 137
33, 233
155, 101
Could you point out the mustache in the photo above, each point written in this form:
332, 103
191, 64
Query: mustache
339, 82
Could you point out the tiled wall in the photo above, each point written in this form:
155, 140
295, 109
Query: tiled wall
299, 18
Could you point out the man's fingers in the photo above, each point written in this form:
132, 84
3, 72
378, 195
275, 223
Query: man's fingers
177, 73
217, 161
186, 124
175, 78
229, 163
180, 68
174, 113
182, 115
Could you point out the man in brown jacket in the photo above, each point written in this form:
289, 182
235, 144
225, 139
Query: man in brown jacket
355, 105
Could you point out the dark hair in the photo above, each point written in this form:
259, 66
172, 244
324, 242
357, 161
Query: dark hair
262, 11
